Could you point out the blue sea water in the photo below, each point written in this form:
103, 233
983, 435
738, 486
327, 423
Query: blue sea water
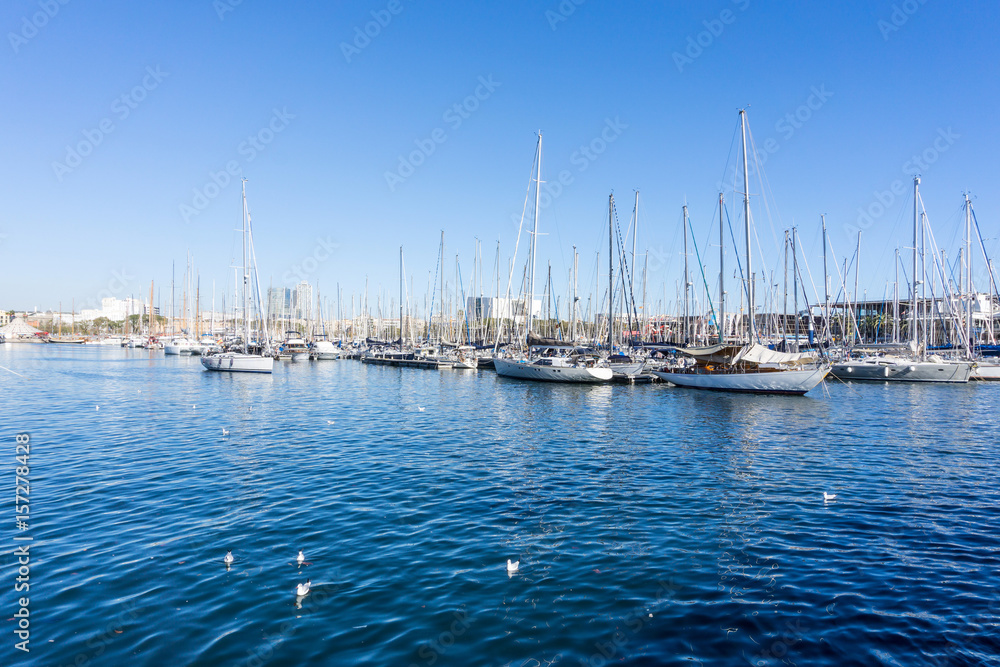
654, 525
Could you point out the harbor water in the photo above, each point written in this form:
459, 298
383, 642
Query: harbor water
653, 525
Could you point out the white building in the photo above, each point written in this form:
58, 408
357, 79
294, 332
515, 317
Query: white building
114, 309
489, 308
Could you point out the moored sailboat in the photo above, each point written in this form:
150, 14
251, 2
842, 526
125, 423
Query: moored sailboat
247, 356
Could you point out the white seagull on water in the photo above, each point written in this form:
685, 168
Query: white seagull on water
420, 408
512, 566
303, 589
301, 558
828, 496
225, 431
228, 560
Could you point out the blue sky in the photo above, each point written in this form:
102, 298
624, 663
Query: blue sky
186, 88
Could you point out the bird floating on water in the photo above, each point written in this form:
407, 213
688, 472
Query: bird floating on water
512, 566
303, 589
97, 407
828, 496
420, 408
301, 558
225, 431
228, 560
331, 422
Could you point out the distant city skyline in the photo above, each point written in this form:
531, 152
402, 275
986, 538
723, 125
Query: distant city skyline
364, 127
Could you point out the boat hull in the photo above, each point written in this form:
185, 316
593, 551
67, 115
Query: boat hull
231, 362
904, 371
792, 382
525, 371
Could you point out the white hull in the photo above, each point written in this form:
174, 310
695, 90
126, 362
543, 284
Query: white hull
236, 362
629, 369
986, 371
527, 371
768, 382
176, 349
904, 371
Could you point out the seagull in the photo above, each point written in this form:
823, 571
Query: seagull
303, 589
97, 407
331, 422
828, 496
420, 408
512, 566
228, 560
225, 431
301, 558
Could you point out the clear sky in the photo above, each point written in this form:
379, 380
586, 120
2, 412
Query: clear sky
115, 116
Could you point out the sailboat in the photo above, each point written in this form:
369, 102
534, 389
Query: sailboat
578, 367
245, 357
749, 367
918, 366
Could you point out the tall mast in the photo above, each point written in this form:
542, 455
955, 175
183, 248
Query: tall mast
400, 298
916, 232
969, 295
635, 238
722, 275
441, 323
746, 221
246, 274
795, 288
826, 284
611, 275
534, 234
687, 281
572, 326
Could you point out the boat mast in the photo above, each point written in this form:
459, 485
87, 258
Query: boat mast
970, 296
572, 326
400, 298
611, 275
246, 275
534, 235
687, 281
746, 222
826, 284
916, 231
722, 288
795, 288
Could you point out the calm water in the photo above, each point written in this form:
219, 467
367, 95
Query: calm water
654, 525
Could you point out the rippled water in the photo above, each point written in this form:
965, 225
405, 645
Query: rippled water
654, 525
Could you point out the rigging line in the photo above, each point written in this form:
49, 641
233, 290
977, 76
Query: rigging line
701, 268
982, 244
517, 244
739, 264
626, 276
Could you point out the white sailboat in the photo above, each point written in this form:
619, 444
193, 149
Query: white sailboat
751, 368
917, 366
575, 368
247, 357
